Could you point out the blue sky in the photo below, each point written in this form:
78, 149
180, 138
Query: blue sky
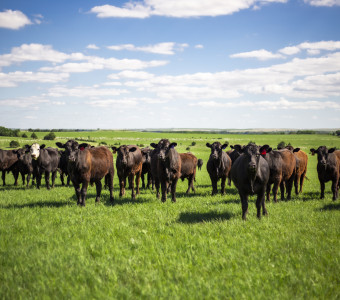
170, 64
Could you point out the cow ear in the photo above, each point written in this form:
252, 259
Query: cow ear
133, 149
114, 150
172, 145
153, 145
313, 151
296, 150
264, 150
269, 149
238, 148
42, 146
225, 145
60, 145
84, 145
331, 150
231, 146
208, 145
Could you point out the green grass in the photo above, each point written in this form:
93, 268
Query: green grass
197, 248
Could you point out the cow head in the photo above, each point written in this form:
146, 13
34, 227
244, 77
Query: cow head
123, 153
216, 149
253, 153
69, 146
74, 150
322, 153
25, 157
146, 153
35, 150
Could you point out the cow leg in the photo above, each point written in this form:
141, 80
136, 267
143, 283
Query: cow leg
191, 180
84, 192
132, 186
98, 189
282, 189
164, 188
276, 189
302, 178
39, 175
16, 175
268, 191
47, 179
62, 178
173, 190
77, 190
68, 180
244, 201
3, 178
335, 189
138, 175
296, 183
157, 187
289, 187
214, 186
148, 179
260, 202
122, 182
28, 179
322, 187
23, 177
229, 179
54, 175
223, 180
110, 184
143, 181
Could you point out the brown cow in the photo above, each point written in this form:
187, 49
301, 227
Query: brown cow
301, 167
90, 165
188, 169
165, 167
129, 164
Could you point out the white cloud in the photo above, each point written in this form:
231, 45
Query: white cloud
312, 48
11, 79
259, 54
13, 19
199, 46
24, 102
177, 8
323, 2
290, 50
92, 46
125, 102
167, 48
281, 104
131, 75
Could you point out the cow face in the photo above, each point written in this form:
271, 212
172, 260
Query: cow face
253, 154
69, 146
35, 150
123, 153
25, 157
322, 153
164, 147
216, 150
146, 155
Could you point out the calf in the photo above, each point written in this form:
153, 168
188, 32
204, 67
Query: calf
8, 162
188, 169
328, 169
129, 164
218, 166
146, 168
87, 165
25, 165
166, 167
250, 174
200, 163
301, 167
45, 161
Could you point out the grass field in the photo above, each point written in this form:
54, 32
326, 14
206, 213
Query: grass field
197, 248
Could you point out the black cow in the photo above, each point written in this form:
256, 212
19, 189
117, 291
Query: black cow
218, 166
90, 165
328, 169
129, 164
234, 154
166, 167
25, 165
45, 161
200, 163
250, 174
8, 162
146, 168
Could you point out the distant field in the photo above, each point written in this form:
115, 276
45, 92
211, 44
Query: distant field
197, 248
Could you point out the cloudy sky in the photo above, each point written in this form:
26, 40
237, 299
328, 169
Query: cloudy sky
170, 64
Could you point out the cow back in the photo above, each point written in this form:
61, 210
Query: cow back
7, 159
188, 164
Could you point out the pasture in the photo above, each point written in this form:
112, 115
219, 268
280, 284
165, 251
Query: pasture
196, 248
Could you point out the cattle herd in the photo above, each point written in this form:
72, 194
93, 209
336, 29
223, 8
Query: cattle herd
253, 169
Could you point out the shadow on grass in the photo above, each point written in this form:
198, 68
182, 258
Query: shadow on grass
41, 204
331, 206
124, 201
195, 217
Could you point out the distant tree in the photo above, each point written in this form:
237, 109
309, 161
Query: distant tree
24, 135
34, 136
102, 143
193, 143
14, 144
337, 132
50, 137
281, 145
